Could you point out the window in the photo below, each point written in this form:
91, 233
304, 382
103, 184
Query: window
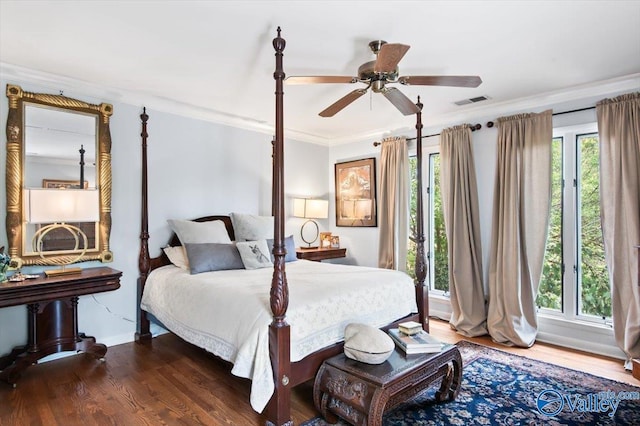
575, 282
436, 238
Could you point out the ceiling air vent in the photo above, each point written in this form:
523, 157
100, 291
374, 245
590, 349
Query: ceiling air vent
472, 100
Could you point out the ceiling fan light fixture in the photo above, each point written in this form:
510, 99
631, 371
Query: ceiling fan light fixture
380, 72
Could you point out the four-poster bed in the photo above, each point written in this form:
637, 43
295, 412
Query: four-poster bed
289, 365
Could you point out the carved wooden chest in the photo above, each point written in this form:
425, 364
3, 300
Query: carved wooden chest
360, 393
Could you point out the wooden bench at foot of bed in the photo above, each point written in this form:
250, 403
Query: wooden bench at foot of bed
361, 393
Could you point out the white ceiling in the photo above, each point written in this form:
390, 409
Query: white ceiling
216, 58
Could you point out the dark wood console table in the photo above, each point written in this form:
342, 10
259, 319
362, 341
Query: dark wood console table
52, 306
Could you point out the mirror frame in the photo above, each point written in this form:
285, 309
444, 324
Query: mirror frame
15, 173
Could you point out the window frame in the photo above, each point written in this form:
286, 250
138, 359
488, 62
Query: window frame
570, 220
427, 152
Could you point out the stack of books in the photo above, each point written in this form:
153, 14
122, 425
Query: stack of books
419, 342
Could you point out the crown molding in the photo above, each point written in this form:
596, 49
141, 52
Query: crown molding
70, 85
587, 94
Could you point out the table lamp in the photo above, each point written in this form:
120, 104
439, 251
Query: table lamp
310, 209
56, 208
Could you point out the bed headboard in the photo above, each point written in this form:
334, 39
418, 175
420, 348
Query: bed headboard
174, 241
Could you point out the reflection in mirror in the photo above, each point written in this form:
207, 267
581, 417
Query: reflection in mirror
56, 143
60, 152
53, 141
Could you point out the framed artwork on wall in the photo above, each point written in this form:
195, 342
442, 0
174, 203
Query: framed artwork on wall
356, 193
59, 184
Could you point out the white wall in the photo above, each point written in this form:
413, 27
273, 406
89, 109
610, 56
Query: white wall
196, 168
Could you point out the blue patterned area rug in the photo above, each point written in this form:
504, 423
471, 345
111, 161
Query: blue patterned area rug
499, 388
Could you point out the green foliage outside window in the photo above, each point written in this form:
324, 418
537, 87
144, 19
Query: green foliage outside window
593, 288
411, 249
439, 255
550, 290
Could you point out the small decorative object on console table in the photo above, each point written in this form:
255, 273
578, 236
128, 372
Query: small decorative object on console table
52, 305
360, 393
5, 261
320, 254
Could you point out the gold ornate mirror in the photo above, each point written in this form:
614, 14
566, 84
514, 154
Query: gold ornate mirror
57, 146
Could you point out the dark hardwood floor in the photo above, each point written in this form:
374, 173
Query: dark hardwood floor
170, 382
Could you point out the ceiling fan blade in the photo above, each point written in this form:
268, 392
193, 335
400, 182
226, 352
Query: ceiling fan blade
400, 101
441, 80
342, 103
316, 79
389, 56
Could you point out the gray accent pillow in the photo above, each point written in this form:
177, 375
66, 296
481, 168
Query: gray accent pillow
249, 227
367, 344
200, 232
207, 257
289, 245
254, 254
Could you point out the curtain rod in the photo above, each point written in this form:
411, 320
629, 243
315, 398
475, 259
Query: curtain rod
473, 128
491, 124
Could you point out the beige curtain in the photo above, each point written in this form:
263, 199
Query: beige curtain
460, 205
521, 202
393, 211
619, 130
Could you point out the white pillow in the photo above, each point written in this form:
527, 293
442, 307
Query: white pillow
177, 256
254, 254
200, 232
249, 227
367, 344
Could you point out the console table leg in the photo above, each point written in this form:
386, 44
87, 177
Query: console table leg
88, 345
451, 381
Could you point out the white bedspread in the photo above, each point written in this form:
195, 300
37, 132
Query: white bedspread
228, 312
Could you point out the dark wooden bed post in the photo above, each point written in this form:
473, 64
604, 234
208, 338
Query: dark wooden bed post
278, 410
143, 332
422, 291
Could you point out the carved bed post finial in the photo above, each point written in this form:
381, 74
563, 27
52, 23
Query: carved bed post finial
143, 332
422, 291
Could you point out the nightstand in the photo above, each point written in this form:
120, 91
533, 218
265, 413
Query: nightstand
319, 254
52, 305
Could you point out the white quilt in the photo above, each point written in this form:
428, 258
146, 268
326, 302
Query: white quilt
228, 312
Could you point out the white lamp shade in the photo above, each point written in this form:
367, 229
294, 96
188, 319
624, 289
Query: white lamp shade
61, 205
310, 208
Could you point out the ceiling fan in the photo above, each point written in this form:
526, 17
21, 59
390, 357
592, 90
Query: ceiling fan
377, 74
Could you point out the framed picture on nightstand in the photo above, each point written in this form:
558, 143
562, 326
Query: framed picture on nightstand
325, 240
